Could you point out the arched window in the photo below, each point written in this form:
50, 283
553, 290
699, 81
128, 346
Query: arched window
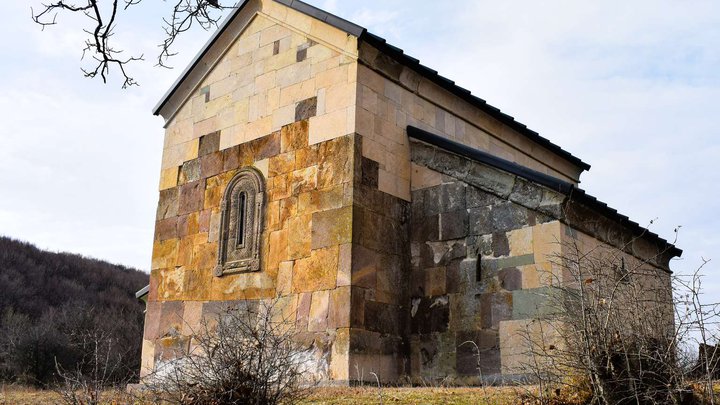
241, 223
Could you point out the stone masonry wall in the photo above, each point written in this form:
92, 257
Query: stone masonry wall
480, 266
280, 97
380, 259
305, 243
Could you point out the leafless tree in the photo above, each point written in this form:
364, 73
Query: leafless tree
246, 355
95, 373
103, 17
618, 327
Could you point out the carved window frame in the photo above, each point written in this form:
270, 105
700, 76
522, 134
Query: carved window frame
241, 229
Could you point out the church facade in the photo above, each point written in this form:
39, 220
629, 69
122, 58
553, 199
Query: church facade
391, 213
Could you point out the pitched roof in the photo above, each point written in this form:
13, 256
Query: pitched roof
392, 51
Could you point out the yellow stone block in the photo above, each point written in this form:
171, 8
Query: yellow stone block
521, 241
205, 256
281, 164
299, 229
164, 253
318, 272
547, 239
169, 177
284, 278
278, 248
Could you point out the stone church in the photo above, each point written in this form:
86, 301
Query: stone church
392, 213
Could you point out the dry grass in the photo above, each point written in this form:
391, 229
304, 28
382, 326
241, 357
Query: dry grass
17, 395
321, 396
417, 395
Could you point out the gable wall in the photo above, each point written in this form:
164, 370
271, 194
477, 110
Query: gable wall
251, 92
289, 116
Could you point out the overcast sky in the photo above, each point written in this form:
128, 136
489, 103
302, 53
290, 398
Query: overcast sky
630, 87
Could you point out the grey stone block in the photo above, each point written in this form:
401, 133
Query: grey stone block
476, 197
526, 193
453, 225
532, 303
500, 183
452, 197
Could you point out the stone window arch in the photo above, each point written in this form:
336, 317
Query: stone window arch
241, 220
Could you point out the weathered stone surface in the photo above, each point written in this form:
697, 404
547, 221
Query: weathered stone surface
231, 158
164, 253
490, 179
166, 229
526, 193
335, 164
333, 227
319, 311
306, 108
495, 307
281, 164
425, 228
265, 147
168, 203
215, 189
299, 228
430, 314
209, 143
532, 303
339, 308
435, 281
476, 197
303, 311
307, 156
500, 244
383, 318
498, 218
318, 272
303, 180
189, 172
478, 352
278, 248
510, 279
369, 172
452, 197
364, 266
211, 164
284, 278
453, 225
191, 197
293, 137
450, 164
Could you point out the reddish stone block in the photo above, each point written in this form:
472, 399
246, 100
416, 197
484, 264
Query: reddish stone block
211, 164
166, 229
303, 311
191, 197
265, 147
209, 143
231, 158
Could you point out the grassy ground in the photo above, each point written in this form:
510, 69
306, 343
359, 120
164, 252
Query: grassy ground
453, 396
321, 396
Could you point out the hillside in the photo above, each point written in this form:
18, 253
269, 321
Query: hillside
50, 300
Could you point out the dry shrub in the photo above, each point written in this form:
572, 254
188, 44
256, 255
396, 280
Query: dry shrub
247, 355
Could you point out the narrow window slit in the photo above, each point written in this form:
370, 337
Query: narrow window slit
242, 208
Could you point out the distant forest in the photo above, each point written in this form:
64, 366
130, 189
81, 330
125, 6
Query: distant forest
57, 309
